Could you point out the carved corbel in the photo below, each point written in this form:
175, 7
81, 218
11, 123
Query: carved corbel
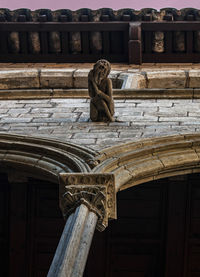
96, 191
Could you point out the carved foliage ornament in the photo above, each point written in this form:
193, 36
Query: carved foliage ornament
96, 191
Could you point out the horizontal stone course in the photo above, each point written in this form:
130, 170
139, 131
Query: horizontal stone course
65, 81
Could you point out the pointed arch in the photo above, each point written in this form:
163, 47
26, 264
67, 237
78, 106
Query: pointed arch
139, 162
43, 157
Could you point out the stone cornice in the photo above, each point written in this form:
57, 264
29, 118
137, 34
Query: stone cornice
104, 14
96, 191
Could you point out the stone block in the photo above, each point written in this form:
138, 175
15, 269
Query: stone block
189, 157
166, 79
194, 79
16, 120
81, 78
148, 167
196, 94
138, 81
83, 141
56, 78
95, 135
133, 80
19, 78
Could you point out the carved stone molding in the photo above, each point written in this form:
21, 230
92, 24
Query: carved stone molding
96, 191
42, 158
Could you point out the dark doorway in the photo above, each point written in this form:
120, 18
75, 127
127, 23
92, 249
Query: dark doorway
30, 227
157, 233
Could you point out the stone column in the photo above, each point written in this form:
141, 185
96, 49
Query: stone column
74, 245
88, 201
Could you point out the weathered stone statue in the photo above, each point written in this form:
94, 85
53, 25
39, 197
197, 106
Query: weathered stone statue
100, 92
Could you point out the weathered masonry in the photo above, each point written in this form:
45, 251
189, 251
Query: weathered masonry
149, 233
64, 178
82, 198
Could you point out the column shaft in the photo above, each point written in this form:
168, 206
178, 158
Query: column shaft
72, 251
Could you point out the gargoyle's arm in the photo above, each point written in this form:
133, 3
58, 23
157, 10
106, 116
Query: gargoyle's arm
107, 97
92, 86
94, 91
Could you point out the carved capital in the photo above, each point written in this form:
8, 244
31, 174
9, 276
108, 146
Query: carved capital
96, 191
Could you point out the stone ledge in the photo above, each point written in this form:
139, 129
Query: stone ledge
63, 82
49, 78
6, 94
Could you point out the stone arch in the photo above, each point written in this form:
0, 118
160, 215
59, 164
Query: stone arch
140, 162
33, 167
43, 158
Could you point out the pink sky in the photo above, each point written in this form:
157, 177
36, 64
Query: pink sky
95, 4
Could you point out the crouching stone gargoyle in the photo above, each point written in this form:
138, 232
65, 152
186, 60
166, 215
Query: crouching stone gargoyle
100, 92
